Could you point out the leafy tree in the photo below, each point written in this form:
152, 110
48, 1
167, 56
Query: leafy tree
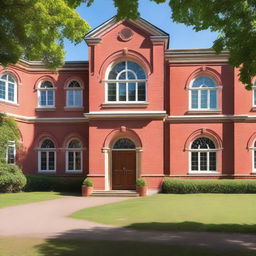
35, 30
235, 20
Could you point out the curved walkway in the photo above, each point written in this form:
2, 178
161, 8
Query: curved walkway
48, 220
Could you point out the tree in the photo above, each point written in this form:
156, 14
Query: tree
35, 30
235, 20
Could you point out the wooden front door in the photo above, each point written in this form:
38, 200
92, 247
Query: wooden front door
124, 169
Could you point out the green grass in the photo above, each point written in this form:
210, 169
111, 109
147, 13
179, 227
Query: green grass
59, 247
169, 212
10, 199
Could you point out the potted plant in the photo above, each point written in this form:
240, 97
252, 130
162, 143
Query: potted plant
141, 187
87, 187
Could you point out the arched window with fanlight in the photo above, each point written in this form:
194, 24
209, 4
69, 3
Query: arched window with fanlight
47, 156
74, 94
74, 156
203, 94
126, 83
46, 94
8, 88
203, 155
124, 143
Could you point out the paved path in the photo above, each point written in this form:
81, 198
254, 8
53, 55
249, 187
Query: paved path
48, 220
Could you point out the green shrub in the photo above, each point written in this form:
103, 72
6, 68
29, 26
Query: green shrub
140, 182
58, 184
185, 186
88, 182
11, 178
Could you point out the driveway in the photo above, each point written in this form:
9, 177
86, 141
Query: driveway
48, 220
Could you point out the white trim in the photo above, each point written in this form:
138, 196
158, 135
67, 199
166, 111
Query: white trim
6, 86
47, 160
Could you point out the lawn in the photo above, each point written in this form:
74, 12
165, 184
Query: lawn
60, 247
170, 212
10, 199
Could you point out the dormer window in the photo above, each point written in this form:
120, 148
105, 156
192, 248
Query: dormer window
46, 94
126, 83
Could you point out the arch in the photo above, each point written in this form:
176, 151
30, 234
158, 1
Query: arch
45, 78
70, 137
204, 133
73, 78
127, 55
115, 135
43, 136
12, 73
250, 142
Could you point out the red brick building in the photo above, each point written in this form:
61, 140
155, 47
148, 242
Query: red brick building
135, 109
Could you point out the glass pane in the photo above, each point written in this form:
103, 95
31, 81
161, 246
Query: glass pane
47, 144
70, 98
11, 79
51, 161
254, 91
11, 155
42, 98
132, 91
119, 67
122, 76
254, 159
74, 144
71, 160
4, 77
194, 161
203, 81
122, 91
203, 161
141, 91
78, 98
74, 84
124, 144
112, 92
46, 84
203, 143
194, 99
213, 99
10, 92
131, 76
43, 161
213, 161
50, 98
204, 98
2, 90
78, 161
137, 69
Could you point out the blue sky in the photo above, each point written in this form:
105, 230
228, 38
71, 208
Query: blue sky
181, 36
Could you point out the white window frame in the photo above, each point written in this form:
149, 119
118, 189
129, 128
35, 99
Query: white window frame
200, 89
253, 95
253, 152
136, 81
47, 150
39, 90
74, 89
74, 151
7, 88
11, 144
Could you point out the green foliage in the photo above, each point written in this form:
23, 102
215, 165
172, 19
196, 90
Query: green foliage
186, 186
11, 178
49, 183
35, 30
140, 182
8, 132
88, 182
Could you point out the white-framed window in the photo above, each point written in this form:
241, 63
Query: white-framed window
47, 156
8, 88
203, 156
254, 94
74, 156
11, 153
46, 94
126, 83
74, 94
254, 156
203, 94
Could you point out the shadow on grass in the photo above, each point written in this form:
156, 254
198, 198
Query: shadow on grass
195, 226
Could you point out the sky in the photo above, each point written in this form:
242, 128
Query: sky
181, 36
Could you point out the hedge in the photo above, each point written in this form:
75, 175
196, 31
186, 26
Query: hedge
186, 186
11, 178
58, 184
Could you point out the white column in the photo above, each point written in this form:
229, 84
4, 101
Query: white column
138, 162
106, 152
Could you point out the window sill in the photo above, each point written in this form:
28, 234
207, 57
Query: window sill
78, 171
73, 108
125, 105
39, 109
199, 112
203, 172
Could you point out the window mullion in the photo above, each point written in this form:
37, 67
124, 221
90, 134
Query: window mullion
47, 160
126, 89
74, 160
208, 161
117, 94
199, 161
199, 99
208, 99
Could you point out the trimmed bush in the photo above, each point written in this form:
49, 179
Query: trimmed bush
186, 186
11, 178
140, 182
58, 184
88, 182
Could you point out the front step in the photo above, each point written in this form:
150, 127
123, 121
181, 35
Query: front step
115, 193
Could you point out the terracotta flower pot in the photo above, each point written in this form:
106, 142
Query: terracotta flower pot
86, 191
142, 190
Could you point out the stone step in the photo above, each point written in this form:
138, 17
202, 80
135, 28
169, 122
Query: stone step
115, 193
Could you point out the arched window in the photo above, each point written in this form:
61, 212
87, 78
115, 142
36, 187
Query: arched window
74, 94
126, 82
203, 155
124, 143
74, 156
254, 156
8, 88
203, 94
47, 156
46, 94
